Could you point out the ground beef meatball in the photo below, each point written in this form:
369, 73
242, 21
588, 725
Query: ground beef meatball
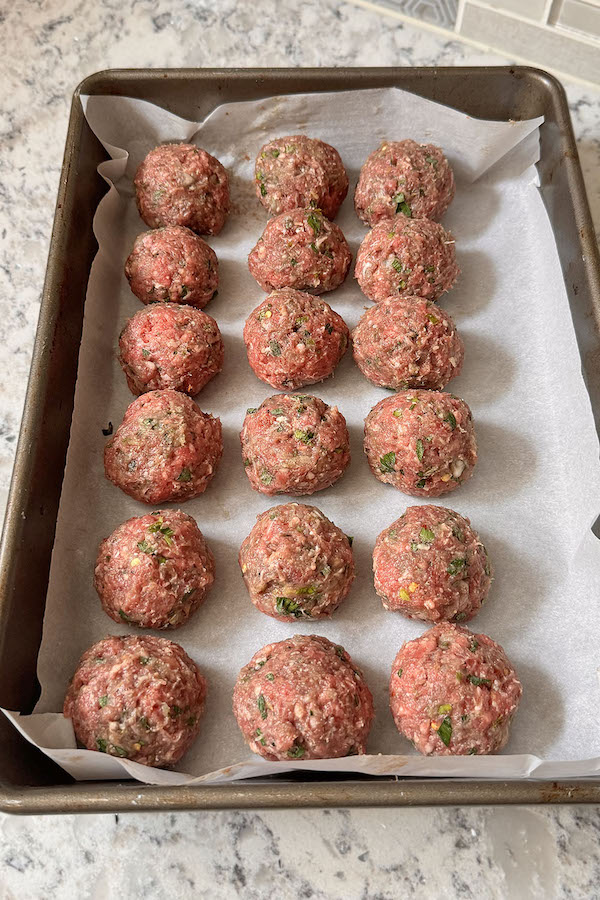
453, 693
430, 564
180, 184
154, 571
140, 698
303, 698
294, 339
296, 563
406, 257
422, 442
165, 449
172, 264
297, 172
404, 177
407, 342
294, 444
164, 346
300, 249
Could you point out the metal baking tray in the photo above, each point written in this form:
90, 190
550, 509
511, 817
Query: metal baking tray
31, 783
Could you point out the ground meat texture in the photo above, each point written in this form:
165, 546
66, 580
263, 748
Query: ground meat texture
300, 249
164, 346
406, 178
139, 698
180, 184
298, 172
172, 264
154, 571
293, 339
296, 563
294, 444
406, 257
303, 698
407, 342
165, 449
430, 564
422, 442
453, 693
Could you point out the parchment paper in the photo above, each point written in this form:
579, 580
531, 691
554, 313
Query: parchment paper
533, 498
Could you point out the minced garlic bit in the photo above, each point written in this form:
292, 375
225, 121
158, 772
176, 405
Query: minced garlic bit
412, 587
135, 562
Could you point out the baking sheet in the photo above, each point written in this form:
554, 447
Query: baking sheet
533, 496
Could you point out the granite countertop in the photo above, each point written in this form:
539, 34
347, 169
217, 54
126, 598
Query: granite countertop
48, 47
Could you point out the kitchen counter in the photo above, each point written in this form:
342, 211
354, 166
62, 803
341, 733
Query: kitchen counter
48, 47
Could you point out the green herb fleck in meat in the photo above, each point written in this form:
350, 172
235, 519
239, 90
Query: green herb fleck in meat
251, 410
473, 646
102, 701
101, 745
287, 607
419, 449
314, 222
143, 721
145, 353
340, 651
119, 751
426, 536
124, 616
293, 263
184, 475
144, 660
433, 319
262, 706
274, 348
387, 462
269, 676
472, 751
184, 291
451, 420
266, 477
397, 265
477, 681
456, 566
413, 402
397, 413
399, 673
304, 436
296, 752
350, 539
259, 736
401, 205
432, 161
445, 730
329, 328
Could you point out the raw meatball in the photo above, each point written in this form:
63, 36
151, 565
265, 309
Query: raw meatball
294, 339
430, 564
404, 177
164, 346
405, 257
180, 184
172, 264
303, 698
140, 698
407, 343
294, 444
300, 249
164, 449
298, 171
296, 563
154, 571
453, 693
422, 442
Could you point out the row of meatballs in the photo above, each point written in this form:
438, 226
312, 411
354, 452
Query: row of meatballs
167, 449
452, 692
155, 570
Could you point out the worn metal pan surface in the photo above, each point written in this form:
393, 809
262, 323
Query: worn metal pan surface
29, 782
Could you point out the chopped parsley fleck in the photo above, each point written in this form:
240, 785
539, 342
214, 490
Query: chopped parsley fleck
451, 420
432, 161
473, 645
145, 353
293, 263
433, 319
477, 681
296, 752
145, 547
473, 751
143, 721
274, 348
350, 539
413, 402
399, 673
266, 477
445, 708
184, 475
287, 607
387, 462
340, 651
456, 566
102, 701
429, 268
419, 449
397, 413
277, 412
119, 751
329, 328
426, 536
259, 736
101, 745
166, 532
445, 730
315, 222
124, 616
269, 676
401, 205
262, 706
397, 265
304, 436
144, 660
251, 410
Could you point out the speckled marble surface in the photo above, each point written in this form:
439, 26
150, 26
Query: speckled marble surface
371, 855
